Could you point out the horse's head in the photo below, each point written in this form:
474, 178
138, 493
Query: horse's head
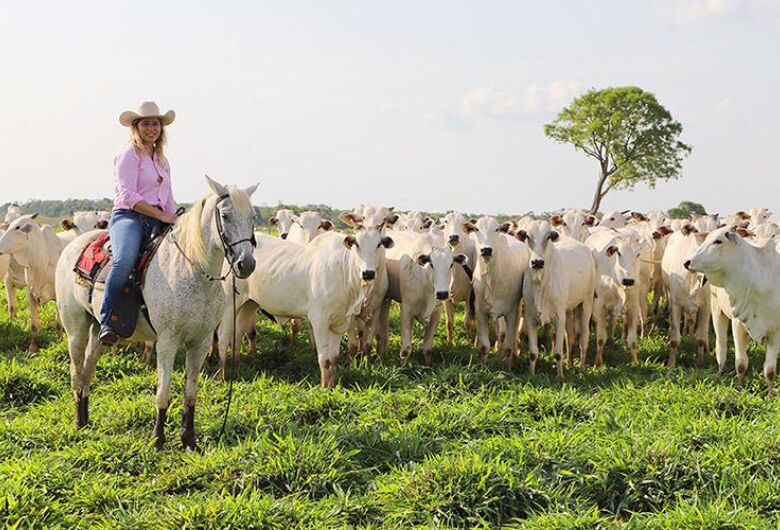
235, 222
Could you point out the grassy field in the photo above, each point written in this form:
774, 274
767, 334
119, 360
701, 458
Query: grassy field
393, 446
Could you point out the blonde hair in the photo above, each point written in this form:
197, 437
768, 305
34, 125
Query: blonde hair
159, 145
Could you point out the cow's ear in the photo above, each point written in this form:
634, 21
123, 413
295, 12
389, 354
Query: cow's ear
391, 208
473, 221
504, 228
522, 235
688, 229
350, 241
743, 232
460, 259
556, 220
553, 236
423, 260
591, 220
326, 225
427, 223
388, 242
391, 219
611, 250
273, 221
469, 227
66, 224
33, 216
351, 219
102, 224
638, 217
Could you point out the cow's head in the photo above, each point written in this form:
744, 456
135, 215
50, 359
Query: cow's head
17, 238
488, 235
718, 253
312, 225
453, 228
623, 253
539, 236
283, 220
368, 244
441, 260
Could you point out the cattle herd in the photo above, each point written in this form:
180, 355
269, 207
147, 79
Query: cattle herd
569, 271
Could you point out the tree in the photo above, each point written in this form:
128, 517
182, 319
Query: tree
631, 135
685, 209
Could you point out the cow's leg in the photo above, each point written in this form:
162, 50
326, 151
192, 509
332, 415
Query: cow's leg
405, 325
586, 312
770, 361
246, 324
384, 328
483, 335
328, 344
702, 333
560, 326
533, 340
509, 347
521, 333
600, 314
78, 331
570, 340
430, 332
741, 338
674, 333
146, 358
631, 322
166, 353
449, 306
35, 323
194, 362
720, 323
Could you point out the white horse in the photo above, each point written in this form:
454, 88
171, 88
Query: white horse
184, 304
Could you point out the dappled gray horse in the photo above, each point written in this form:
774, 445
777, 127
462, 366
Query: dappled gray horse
184, 304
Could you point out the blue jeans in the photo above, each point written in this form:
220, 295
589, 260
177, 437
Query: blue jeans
129, 230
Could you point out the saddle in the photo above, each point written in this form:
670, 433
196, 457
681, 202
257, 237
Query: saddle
92, 270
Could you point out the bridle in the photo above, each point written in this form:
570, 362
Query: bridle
227, 246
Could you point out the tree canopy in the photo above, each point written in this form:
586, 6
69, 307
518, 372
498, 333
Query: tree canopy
631, 135
685, 209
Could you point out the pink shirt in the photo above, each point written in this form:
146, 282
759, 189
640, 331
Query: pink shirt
137, 178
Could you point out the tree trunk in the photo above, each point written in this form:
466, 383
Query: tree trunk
594, 207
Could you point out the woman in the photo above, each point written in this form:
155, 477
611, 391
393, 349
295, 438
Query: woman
142, 199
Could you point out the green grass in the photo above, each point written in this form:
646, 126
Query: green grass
395, 445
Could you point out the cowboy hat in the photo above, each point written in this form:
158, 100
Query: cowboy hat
147, 109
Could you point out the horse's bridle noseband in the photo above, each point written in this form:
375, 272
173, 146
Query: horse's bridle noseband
227, 246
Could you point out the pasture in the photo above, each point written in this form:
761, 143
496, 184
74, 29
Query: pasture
394, 445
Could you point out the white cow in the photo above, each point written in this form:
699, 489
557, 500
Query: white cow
283, 221
575, 223
616, 255
689, 296
306, 226
461, 243
654, 227
420, 278
85, 221
558, 289
12, 212
36, 249
748, 273
326, 282
364, 329
497, 282
614, 219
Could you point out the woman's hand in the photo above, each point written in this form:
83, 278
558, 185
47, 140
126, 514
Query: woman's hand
168, 218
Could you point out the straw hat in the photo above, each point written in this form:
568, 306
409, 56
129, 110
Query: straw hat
147, 109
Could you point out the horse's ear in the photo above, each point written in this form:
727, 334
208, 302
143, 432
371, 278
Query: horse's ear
251, 189
215, 186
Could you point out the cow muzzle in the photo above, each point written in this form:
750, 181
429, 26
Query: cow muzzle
369, 275
442, 295
537, 264
687, 265
284, 236
628, 282
454, 240
486, 252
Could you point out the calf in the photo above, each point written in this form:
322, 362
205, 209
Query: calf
559, 290
498, 281
748, 273
617, 290
689, 296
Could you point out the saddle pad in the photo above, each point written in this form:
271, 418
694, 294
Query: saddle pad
95, 258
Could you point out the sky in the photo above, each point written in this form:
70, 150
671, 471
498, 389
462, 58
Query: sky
426, 105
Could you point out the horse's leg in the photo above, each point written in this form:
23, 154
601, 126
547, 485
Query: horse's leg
78, 330
148, 352
94, 349
166, 352
195, 357
35, 323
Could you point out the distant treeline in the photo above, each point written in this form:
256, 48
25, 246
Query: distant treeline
65, 209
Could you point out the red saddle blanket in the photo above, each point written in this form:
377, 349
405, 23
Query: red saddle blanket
95, 261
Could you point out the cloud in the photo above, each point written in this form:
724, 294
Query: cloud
506, 105
725, 10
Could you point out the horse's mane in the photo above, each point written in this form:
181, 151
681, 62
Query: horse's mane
188, 231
